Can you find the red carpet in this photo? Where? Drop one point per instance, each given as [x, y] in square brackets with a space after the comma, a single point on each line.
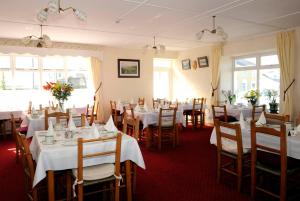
[187, 173]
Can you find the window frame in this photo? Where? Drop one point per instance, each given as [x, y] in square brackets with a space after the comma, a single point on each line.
[258, 66]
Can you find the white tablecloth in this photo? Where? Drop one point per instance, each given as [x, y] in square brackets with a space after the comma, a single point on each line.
[62, 157]
[4, 115]
[293, 142]
[189, 106]
[151, 117]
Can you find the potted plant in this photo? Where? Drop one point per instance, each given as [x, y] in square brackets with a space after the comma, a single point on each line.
[252, 96]
[272, 95]
[229, 96]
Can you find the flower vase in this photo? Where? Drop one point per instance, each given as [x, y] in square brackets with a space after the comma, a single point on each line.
[253, 101]
[61, 106]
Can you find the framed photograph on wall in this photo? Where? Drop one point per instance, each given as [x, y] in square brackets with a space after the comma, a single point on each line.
[203, 62]
[186, 64]
[128, 68]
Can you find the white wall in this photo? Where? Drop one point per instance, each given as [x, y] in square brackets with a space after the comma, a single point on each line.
[115, 88]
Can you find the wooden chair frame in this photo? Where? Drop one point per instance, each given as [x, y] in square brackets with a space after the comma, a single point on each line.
[255, 112]
[237, 158]
[115, 113]
[141, 101]
[58, 116]
[82, 156]
[221, 109]
[198, 112]
[282, 151]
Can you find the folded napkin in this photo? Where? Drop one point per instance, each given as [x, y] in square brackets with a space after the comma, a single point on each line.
[137, 108]
[50, 128]
[71, 124]
[33, 111]
[262, 119]
[87, 124]
[95, 132]
[242, 121]
[110, 125]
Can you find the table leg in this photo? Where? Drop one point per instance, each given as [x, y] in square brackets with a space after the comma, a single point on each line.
[51, 193]
[128, 180]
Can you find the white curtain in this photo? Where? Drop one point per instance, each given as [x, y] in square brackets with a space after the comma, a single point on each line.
[96, 73]
[286, 51]
[216, 54]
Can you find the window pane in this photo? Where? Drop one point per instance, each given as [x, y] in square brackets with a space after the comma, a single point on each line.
[161, 85]
[245, 62]
[53, 63]
[6, 80]
[53, 76]
[4, 62]
[244, 81]
[269, 79]
[77, 63]
[162, 63]
[269, 60]
[27, 80]
[24, 62]
[78, 79]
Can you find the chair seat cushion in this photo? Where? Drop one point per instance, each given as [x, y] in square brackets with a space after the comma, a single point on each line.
[231, 146]
[229, 118]
[23, 130]
[187, 112]
[97, 171]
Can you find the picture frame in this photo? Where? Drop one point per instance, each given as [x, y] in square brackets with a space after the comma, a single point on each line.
[186, 64]
[128, 68]
[203, 62]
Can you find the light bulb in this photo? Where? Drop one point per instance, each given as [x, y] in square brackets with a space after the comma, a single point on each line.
[42, 15]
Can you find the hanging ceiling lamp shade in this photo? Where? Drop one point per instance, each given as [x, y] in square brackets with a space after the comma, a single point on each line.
[54, 7]
[156, 48]
[42, 41]
[217, 34]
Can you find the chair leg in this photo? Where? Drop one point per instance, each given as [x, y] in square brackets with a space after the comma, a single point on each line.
[69, 186]
[253, 181]
[218, 167]
[239, 174]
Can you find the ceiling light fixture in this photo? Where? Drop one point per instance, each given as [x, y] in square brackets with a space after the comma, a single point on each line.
[54, 6]
[42, 41]
[156, 47]
[217, 34]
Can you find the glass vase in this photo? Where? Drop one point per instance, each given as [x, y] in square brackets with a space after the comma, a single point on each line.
[61, 106]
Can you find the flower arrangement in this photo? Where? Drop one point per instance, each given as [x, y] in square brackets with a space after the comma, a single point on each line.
[61, 91]
[252, 96]
[229, 96]
[272, 95]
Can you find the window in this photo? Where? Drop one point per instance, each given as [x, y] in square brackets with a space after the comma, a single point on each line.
[256, 72]
[22, 78]
[161, 78]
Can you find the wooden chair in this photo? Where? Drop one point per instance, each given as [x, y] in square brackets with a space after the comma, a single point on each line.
[109, 172]
[116, 114]
[129, 111]
[131, 127]
[29, 170]
[166, 130]
[276, 118]
[230, 145]
[155, 103]
[29, 110]
[257, 110]
[15, 132]
[141, 101]
[220, 112]
[58, 117]
[270, 160]
[94, 113]
[197, 114]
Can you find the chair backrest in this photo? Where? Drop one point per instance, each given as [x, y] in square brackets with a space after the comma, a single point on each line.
[131, 125]
[83, 155]
[276, 118]
[234, 136]
[94, 112]
[141, 101]
[219, 112]
[281, 151]
[174, 105]
[155, 102]
[87, 110]
[29, 110]
[198, 104]
[113, 111]
[167, 118]
[58, 117]
[128, 110]
[257, 110]
[13, 126]
[83, 120]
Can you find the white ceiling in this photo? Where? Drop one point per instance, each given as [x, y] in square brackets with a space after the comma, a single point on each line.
[173, 22]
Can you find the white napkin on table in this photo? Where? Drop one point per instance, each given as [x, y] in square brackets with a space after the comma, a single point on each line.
[50, 128]
[242, 121]
[33, 111]
[71, 124]
[110, 125]
[262, 119]
[137, 108]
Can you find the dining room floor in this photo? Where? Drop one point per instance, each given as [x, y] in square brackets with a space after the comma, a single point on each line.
[186, 173]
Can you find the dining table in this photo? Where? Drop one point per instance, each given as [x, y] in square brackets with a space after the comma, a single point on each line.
[293, 142]
[36, 122]
[62, 154]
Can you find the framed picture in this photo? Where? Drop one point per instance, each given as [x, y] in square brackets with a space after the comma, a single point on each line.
[186, 64]
[128, 68]
[203, 61]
